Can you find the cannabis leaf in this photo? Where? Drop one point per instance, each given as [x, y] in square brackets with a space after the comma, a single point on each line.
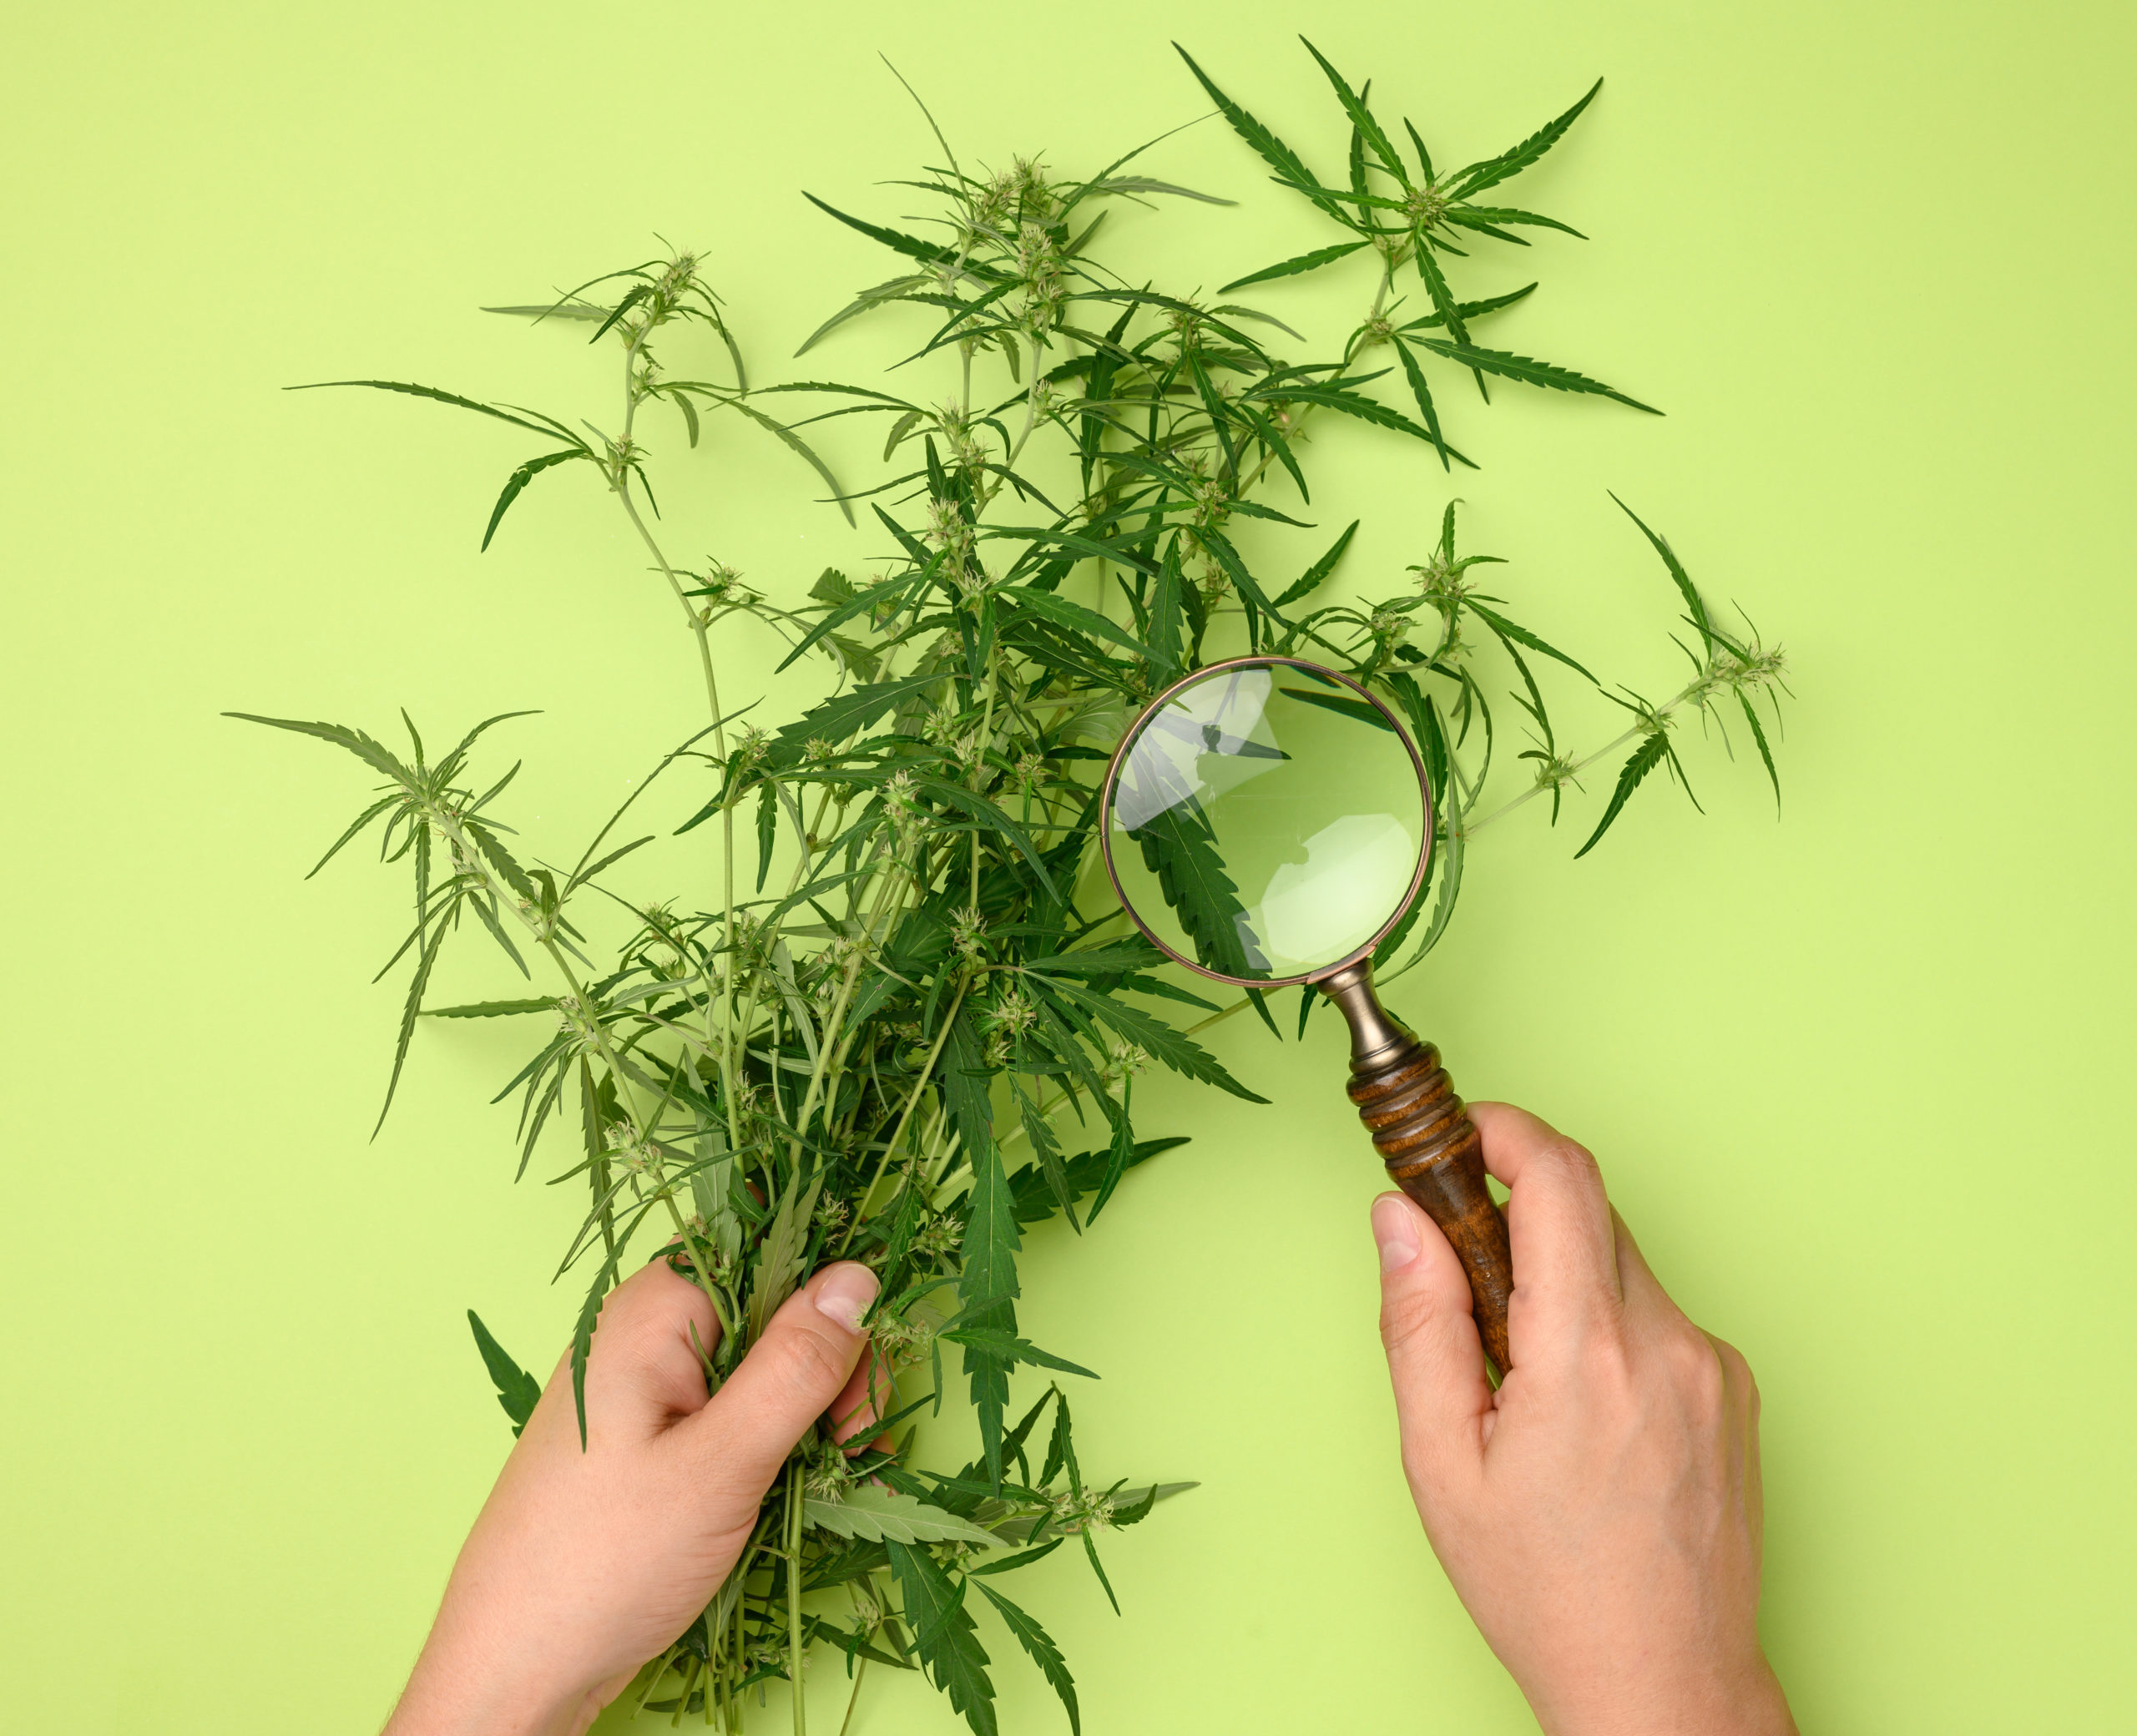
[518, 1391]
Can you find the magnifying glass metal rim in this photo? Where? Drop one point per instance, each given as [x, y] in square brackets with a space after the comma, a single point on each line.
[1135, 731]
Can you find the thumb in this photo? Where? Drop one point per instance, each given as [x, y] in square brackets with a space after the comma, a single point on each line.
[1435, 1358]
[788, 1381]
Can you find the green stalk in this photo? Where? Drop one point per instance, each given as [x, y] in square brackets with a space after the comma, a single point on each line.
[724, 1037]
[619, 483]
[927, 1073]
[1582, 764]
[795, 1645]
[891, 889]
[641, 1135]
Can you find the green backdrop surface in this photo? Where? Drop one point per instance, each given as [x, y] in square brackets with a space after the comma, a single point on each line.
[1852, 1076]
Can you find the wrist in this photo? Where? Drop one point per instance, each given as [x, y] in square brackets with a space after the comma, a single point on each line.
[1711, 1699]
[461, 1692]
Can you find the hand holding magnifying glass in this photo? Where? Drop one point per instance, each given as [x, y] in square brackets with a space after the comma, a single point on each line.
[1267, 822]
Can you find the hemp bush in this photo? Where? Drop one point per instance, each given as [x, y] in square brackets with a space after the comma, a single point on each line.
[884, 1003]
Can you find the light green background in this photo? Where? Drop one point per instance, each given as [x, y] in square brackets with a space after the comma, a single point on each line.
[1852, 1077]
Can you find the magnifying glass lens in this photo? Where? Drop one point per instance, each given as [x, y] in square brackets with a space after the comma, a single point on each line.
[1266, 822]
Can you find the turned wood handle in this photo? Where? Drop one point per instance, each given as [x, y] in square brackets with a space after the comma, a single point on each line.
[1430, 1147]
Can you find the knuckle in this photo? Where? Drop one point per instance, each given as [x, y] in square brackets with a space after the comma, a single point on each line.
[1732, 1361]
[1606, 1361]
[1573, 1163]
[1738, 1371]
[804, 1364]
[1562, 1167]
[1406, 1316]
[1697, 1368]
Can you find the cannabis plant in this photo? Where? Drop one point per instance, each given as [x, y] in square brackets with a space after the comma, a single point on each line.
[893, 1021]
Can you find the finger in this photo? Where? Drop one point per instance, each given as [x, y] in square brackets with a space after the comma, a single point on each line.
[1740, 1414]
[1754, 1478]
[1645, 1299]
[789, 1379]
[1557, 1221]
[1435, 1359]
[642, 1371]
[865, 1399]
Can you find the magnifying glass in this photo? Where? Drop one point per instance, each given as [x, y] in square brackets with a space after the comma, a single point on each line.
[1267, 822]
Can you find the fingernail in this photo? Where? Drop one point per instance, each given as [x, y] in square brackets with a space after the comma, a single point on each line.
[844, 1293]
[1396, 1232]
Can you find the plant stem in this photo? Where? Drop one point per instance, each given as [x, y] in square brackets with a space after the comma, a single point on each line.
[795, 1644]
[853, 1698]
[927, 1073]
[725, 1037]
[1611, 746]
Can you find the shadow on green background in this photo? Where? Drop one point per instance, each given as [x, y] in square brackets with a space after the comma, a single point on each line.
[1849, 1075]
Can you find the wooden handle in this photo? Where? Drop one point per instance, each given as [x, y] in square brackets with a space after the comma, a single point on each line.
[1430, 1147]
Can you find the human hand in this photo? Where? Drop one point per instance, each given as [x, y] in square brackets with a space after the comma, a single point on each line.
[1600, 1515]
[584, 1565]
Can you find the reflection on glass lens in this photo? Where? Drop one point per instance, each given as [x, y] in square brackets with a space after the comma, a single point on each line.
[1266, 822]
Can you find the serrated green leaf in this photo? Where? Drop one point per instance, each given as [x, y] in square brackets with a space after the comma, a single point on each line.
[980, 809]
[944, 1634]
[1344, 704]
[516, 483]
[1491, 216]
[1087, 1172]
[1272, 150]
[1443, 298]
[778, 1265]
[1122, 1157]
[356, 825]
[1312, 578]
[631, 300]
[1295, 267]
[1007, 1348]
[883, 1515]
[1050, 606]
[899, 242]
[518, 1391]
[767, 825]
[1143, 183]
[425, 959]
[1765, 753]
[1521, 635]
[1678, 575]
[1368, 128]
[1504, 166]
[838, 718]
[854, 605]
[1468, 310]
[589, 1311]
[432, 392]
[1422, 391]
[1161, 1041]
[371, 752]
[987, 1287]
[1046, 1151]
[1449, 882]
[1179, 847]
[1417, 144]
[566, 309]
[1165, 612]
[1649, 754]
[1042, 1651]
[788, 437]
[1528, 371]
[1351, 403]
[1130, 1507]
